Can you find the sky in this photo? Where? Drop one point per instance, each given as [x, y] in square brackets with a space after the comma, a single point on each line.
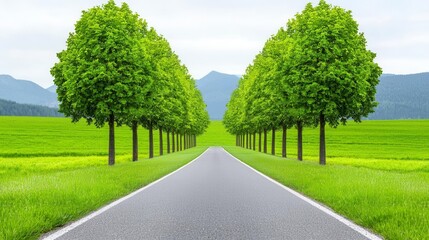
[221, 35]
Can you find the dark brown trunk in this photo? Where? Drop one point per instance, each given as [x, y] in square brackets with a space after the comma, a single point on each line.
[322, 149]
[173, 145]
[161, 147]
[177, 142]
[135, 142]
[265, 140]
[284, 137]
[111, 140]
[250, 141]
[168, 142]
[150, 142]
[254, 141]
[195, 140]
[273, 141]
[260, 141]
[247, 140]
[299, 141]
[181, 146]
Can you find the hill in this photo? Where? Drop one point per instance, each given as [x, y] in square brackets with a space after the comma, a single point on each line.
[216, 89]
[9, 108]
[23, 91]
[402, 97]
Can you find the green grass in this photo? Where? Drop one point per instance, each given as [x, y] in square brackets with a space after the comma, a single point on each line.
[53, 171]
[363, 142]
[38, 136]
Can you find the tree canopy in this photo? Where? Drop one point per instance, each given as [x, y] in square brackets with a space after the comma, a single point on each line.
[316, 70]
[117, 70]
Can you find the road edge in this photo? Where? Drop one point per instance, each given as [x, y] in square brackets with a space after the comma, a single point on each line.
[315, 204]
[63, 230]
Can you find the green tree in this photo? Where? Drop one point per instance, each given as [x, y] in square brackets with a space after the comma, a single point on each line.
[333, 76]
[101, 74]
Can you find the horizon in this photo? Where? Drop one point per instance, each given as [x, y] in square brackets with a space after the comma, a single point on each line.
[238, 76]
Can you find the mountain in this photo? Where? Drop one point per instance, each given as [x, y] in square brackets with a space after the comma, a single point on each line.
[23, 91]
[216, 89]
[402, 97]
[9, 108]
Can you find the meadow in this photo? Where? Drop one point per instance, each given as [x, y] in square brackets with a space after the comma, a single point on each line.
[53, 171]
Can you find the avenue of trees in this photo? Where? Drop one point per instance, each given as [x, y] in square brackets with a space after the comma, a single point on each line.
[117, 70]
[314, 72]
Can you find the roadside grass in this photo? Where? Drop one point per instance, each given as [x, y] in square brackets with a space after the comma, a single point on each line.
[45, 194]
[53, 137]
[356, 143]
[393, 204]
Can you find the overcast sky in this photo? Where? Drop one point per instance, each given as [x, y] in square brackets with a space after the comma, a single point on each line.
[222, 35]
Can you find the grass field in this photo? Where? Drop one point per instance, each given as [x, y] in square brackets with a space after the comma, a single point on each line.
[53, 171]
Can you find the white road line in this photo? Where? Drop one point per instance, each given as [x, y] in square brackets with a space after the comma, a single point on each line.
[81, 221]
[326, 210]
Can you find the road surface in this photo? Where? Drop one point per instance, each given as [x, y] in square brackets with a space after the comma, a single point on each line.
[214, 197]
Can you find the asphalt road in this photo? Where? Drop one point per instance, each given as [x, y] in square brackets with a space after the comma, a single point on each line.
[214, 197]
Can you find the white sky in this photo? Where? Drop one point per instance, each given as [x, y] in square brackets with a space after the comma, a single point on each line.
[221, 35]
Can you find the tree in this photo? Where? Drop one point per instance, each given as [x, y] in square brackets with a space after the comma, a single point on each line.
[101, 76]
[333, 75]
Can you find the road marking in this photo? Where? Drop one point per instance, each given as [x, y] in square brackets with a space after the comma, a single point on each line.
[81, 221]
[324, 209]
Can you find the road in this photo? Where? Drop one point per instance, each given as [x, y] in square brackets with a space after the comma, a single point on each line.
[214, 197]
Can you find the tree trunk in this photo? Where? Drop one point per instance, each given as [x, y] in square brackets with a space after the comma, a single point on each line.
[177, 142]
[195, 140]
[299, 141]
[135, 142]
[111, 140]
[254, 141]
[173, 145]
[150, 142]
[168, 142]
[265, 140]
[284, 137]
[260, 141]
[322, 149]
[247, 140]
[273, 141]
[181, 146]
[161, 147]
[250, 140]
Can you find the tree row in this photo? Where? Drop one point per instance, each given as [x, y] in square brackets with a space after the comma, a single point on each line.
[117, 70]
[315, 71]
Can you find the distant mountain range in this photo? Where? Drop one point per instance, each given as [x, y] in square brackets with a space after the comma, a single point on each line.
[402, 97]
[399, 96]
[24, 91]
